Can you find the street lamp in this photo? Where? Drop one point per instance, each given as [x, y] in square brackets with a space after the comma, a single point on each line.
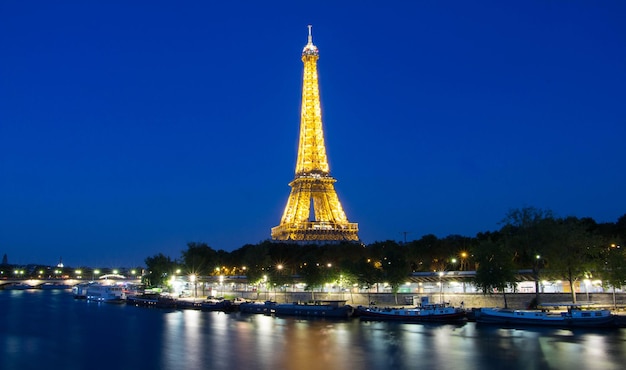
[222, 284]
[341, 281]
[463, 261]
[536, 271]
[192, 279]
[440, 287]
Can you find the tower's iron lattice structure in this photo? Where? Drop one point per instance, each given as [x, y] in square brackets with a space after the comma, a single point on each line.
[313, 186]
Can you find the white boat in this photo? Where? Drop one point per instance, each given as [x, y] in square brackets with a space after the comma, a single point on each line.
[573, 317]
[105, 293]
[80, 291]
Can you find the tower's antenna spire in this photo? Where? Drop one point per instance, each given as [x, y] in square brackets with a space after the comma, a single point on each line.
[309, 48]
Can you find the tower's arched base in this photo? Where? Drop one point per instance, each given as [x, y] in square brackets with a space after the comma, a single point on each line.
[316, 231]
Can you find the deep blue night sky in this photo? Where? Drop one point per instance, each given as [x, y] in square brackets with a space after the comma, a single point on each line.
[131, 128]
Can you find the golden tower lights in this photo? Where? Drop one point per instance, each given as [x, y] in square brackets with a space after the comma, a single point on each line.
[313, 184]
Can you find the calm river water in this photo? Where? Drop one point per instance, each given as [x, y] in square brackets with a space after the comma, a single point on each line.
[51, 330]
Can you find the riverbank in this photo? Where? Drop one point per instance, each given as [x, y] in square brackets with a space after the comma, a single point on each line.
[467, 300]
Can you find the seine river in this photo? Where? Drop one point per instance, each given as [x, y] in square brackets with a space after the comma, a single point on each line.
[51, 330]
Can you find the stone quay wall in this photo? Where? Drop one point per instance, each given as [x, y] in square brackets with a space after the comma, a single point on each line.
[469, 300]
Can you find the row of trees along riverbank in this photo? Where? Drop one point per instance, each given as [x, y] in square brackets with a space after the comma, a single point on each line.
[555, 248]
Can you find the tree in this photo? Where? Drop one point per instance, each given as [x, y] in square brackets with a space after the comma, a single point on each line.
[367, 273]
[524, 233]
[620, 229]
[615, 273]
[573, 252]
[256, 259]
[159, 267]
[199, 259]
[311, 275]
[395, 267]
[423, 254]
[495, 268]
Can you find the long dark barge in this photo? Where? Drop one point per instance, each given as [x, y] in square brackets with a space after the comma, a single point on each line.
[436, 312]
[318, 308]
[151, 300]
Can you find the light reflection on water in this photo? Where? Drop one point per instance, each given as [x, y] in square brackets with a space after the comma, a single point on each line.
[47, 327]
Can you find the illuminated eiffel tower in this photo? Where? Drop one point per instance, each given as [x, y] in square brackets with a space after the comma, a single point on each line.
[313, 185]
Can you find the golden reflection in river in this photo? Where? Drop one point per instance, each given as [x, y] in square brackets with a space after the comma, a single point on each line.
[184, 339]
[318, 345]
[217, 324]
[277, 343]
[192, 337]
[202, 340]
[173, 347]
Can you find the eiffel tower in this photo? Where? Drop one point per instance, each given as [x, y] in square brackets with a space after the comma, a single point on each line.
[313, 186]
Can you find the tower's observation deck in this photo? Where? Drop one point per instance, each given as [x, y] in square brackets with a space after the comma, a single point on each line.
[313, 185]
